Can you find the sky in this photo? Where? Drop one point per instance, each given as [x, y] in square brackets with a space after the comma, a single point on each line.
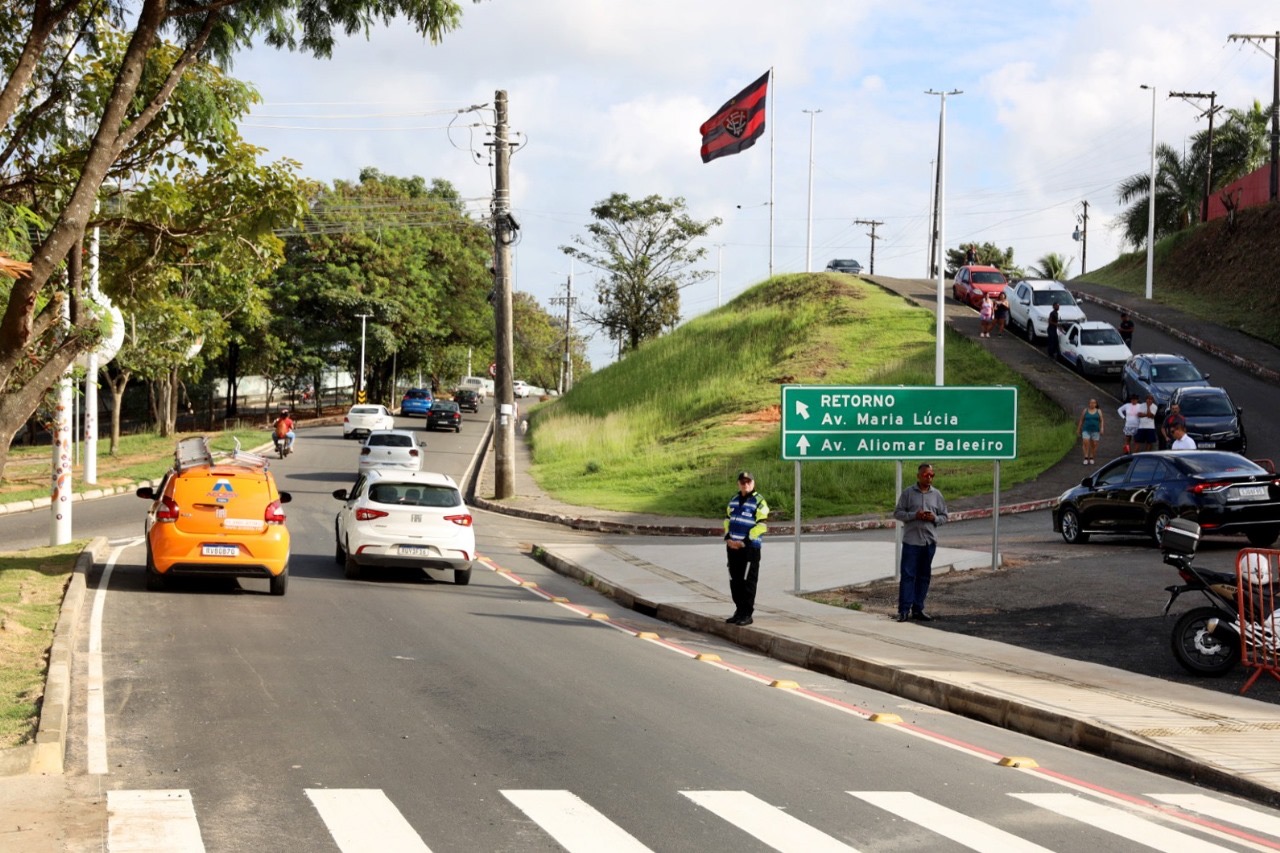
[607, 96]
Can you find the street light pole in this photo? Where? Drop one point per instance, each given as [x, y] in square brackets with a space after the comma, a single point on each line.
[940, 243]
[360, 387]
[808, 244]
[1151, 200]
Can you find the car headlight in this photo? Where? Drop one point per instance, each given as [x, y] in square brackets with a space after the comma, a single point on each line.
[1092, 359]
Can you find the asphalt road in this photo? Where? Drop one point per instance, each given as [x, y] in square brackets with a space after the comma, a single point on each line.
[401, 711]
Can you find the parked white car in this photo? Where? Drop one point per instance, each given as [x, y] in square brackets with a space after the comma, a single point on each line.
[1031, 300]
[364, 419]
[520, 388]
[413, 519]
[1093, 348]
[391, 448]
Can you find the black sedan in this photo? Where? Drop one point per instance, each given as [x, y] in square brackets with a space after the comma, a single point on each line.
[444, 414]
[1140, 494]
[1213, 421]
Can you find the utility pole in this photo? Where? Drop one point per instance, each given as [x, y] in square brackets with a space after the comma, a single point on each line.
[1082, 234]
[504, 234]
[873, 223]
[1275, 104]
[1208, 171]
[566, 370]
[940, 234]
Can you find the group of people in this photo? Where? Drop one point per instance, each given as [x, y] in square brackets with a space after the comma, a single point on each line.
[1140, 432]
[993, 314]
[920, 508]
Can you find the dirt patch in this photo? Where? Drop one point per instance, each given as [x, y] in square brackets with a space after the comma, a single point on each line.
[770, 415]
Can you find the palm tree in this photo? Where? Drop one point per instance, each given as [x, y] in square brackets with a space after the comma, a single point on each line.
[1179, 189]
[1241, 146]
[1052, 265]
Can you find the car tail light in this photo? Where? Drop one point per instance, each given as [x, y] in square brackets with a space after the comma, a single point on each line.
[413, 452]
[1216, 486]
[168, 510]
[274, 513]
[364, 514]
[460, 520]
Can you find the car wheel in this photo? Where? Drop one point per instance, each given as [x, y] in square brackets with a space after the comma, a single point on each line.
[1263, 537]
[462, 577]
[1070, 524]
[350, 567]
[1030, 331]
[339, 556]
[155, 581]
[1160, 518]
[280, 582]
[457, 429]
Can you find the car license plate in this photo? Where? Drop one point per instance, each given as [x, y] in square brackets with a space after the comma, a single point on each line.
[1251, 493]
[415, 551]
[220, 551]
[1113, 369]
[1206, 445]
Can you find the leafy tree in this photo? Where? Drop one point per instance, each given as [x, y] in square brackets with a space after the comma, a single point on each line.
[1052, 265]
[989, 254]
[55, 172]
[644, 250]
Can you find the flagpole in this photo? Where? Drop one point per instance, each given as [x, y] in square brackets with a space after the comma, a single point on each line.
[773, 130]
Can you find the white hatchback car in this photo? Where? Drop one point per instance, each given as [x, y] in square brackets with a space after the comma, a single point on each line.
[391, 448]
[414, 519]
[364, 419]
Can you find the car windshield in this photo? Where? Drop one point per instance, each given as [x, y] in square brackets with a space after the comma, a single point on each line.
[1175, 372]
[988, 278]
[415, 494]
[390, 439]
[1100, 337]
[1205, 405]
[1219, 463]
[1053, 297]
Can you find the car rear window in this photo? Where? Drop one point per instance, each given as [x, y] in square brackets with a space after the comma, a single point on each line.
[364, 410]
[417, 394]
[390, 440]
[1219, 463]
[446, 406]
[415, 494]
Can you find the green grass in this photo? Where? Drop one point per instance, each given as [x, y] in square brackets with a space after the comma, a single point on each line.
[31, 589]
[665, 430]
[146, 456]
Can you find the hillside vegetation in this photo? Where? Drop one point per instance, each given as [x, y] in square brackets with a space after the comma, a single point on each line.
[666, 429]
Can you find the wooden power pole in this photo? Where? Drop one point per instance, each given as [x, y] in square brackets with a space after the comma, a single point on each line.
[504, 234]
[873, 223]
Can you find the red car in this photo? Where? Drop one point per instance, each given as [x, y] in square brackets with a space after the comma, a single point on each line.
[973, 280]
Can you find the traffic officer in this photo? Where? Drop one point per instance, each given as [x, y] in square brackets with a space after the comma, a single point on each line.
[744, 528]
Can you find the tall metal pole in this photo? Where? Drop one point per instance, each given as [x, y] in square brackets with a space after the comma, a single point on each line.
[808, 242]
[360, 387]
[773, 115]
[504, 228]
[938, 370]
[1151, 199]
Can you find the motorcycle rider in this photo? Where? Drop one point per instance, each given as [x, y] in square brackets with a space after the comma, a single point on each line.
[283, 427]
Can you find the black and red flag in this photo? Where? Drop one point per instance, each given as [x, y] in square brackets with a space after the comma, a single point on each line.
[738, 124]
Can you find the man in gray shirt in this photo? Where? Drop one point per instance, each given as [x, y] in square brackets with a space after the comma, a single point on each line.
[921, 508]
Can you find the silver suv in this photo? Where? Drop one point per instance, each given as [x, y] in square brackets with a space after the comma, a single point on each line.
[845, 265]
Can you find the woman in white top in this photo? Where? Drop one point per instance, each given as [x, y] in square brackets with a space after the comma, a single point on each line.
[1129, 411]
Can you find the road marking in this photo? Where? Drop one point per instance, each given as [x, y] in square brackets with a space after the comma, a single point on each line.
[767, 823]
[161, 821]
[576, 826]
[949, 823]
[1139, 830]
[1230, 812]
[96, 714]
[363, 820]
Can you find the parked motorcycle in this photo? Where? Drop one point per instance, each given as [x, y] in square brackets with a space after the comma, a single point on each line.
[1205, 640]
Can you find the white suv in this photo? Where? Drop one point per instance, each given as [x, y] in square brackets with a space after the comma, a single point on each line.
[1031, 300]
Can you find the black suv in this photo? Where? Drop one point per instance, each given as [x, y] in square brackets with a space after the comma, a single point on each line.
[1213, 421]
[467, 400]
[845, 265]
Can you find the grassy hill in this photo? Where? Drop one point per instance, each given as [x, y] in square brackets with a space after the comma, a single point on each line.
[666, 429]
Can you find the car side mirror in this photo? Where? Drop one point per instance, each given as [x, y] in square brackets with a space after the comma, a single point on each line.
[1087, 482]
[285, 497]
[1206, 377]
[340, 494]
[146, 492]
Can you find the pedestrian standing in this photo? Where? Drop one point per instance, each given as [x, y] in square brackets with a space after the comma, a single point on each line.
[1181, 441]
[1145, 437]
[1090, 428]
[744, 529]
[1126, 329]
[986, 315]
[971, 254]
[1051, 343]
[1171, 420]
[1129, 411]
[921, 508]
[1002, 312]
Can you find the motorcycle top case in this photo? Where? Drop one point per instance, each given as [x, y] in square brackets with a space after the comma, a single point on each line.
[1180, 537]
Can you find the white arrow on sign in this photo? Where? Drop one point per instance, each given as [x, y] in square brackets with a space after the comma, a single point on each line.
[803, 444]
[802, 410]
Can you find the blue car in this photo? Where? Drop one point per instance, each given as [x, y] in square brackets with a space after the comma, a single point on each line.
[416, 401]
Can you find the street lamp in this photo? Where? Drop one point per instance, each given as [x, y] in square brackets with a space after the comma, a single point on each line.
[1151, 200]
[360, 388]
[940, 243]
[808, 243]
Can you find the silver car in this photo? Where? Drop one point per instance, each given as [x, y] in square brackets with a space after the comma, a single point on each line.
[1031, 300]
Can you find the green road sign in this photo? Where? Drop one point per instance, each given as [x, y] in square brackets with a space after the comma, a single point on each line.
[829, 422]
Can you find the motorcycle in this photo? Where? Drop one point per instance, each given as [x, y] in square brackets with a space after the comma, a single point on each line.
[282, 445]
[1205, 640]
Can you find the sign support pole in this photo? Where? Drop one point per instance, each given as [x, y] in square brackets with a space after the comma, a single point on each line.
[797, 523]
[995, 519]
[897, 525]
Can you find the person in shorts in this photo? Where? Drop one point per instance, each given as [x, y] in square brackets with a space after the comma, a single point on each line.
[1129, 411]
[1145, 437]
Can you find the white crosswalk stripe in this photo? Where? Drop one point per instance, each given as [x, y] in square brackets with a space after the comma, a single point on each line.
[949, 823]
[1225, 812]
[767, 823]
[145, 821]
[575, 825]
[1137, 829]
[363, 820]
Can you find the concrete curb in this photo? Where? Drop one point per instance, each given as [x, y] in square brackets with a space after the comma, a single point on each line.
[47, 753]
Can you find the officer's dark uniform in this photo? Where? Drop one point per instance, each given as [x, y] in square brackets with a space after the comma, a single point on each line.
[744, 522]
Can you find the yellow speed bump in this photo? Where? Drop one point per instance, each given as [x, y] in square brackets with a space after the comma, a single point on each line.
[1018, 761]
[600, 616]
[784, 684]
[887, 719]
[708, 657]
[647, 635]
[560, 599]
